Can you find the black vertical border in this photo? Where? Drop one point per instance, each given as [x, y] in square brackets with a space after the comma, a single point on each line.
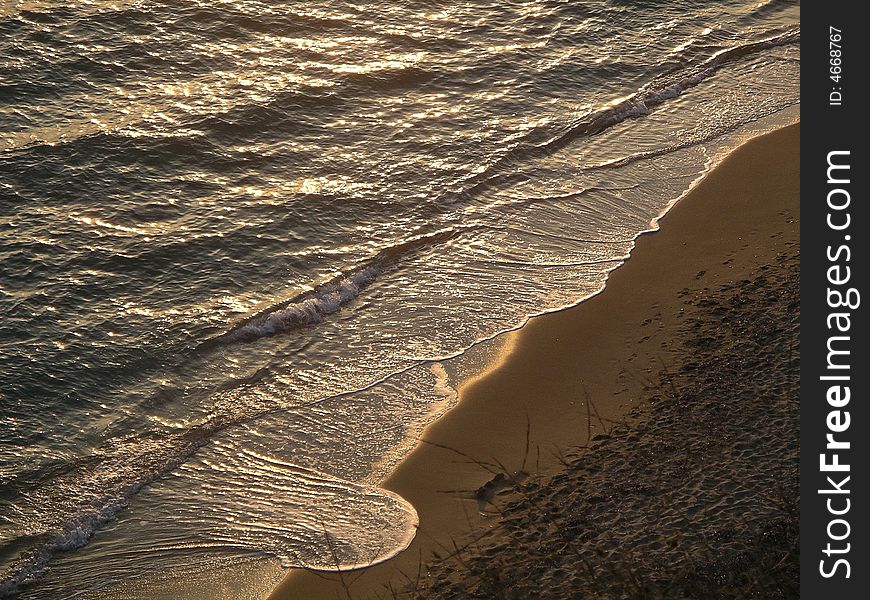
[826, 128]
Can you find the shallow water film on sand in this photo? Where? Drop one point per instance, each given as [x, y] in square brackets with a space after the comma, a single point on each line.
[238, 237]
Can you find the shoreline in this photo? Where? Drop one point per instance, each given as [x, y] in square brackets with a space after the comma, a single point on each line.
[522, 412]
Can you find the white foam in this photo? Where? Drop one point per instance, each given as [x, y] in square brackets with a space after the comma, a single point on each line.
[325, 300]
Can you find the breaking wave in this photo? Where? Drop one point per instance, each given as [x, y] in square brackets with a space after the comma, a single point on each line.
[313, 306]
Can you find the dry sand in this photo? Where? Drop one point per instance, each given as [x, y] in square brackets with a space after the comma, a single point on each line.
[619, 347]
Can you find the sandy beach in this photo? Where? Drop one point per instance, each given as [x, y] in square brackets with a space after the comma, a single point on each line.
[598, 375]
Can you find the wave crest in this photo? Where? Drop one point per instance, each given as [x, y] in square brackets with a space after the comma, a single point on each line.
[324, 300]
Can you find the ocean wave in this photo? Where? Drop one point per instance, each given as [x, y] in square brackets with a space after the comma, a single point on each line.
[707, 137]
[313, 306]
[276, 517]
[85, 499]
[659, 90]
[324, 300]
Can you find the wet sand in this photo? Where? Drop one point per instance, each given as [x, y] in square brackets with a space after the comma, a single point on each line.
[529, 409]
